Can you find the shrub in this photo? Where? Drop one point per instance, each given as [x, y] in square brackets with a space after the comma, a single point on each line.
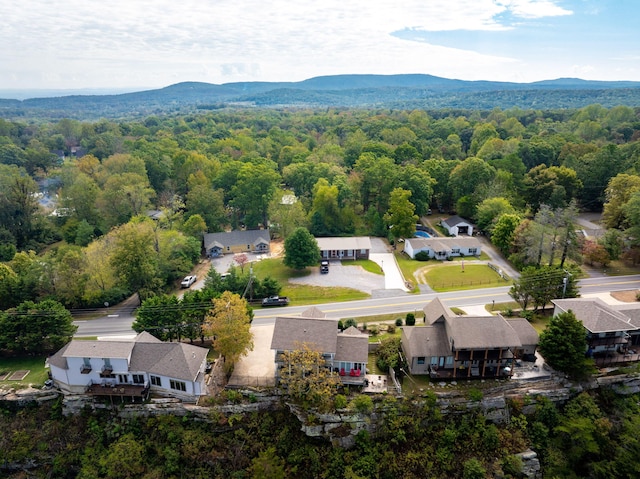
[512, 466]
[391, 329]
[422, 256]
[349, 322]
[374, 329]
[362, 403]
[399, 322]
[475, 395]
[340, 401]
[410, 319]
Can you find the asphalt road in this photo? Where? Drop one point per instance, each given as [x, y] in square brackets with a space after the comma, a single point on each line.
[120, 325]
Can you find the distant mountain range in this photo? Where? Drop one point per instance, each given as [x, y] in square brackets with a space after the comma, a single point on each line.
[346, 91]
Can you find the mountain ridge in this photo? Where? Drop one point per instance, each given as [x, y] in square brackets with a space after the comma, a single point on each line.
[357, 90]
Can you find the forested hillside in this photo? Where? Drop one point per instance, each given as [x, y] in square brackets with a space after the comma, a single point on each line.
[347, 91]
[591, 436]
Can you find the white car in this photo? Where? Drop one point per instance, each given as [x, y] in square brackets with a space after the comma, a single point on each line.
[188, 281]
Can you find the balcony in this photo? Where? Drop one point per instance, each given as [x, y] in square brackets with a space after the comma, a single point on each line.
[107, 371]
[85, 369]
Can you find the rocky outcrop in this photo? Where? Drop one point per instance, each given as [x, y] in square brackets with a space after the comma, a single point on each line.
[530, 464]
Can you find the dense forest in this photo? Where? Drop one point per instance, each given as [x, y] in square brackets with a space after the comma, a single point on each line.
[75, 196]
[591, 436]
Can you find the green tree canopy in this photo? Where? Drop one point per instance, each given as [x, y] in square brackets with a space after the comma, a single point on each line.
[36, 328]
[301, 249]
[400, 217]
[563, 344]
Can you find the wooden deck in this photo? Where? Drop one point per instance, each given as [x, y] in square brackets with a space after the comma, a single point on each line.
[119, 390]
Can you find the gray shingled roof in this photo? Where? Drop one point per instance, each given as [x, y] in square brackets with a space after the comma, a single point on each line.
[527, 333]
[175, 360]
[434, 310]
[99, 349]
[595, 315]
[481, 332]
[444, 244]
[291, 333]
[313, 312]
[236, 237]
[146, 353]
[352, 345]
[455, 220]
[425, 341]
[346, 242]
[631, 311]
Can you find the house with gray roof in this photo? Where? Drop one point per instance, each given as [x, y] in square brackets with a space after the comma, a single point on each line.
[452, 346]
[443, 248]
[456, 226]
[345, 352]
[130, 368]
[237, 241]
[344, 248]
[613, 332]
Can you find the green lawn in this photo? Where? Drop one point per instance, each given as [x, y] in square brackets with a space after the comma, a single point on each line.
[449, 277]
[367, 264]
[34, 364]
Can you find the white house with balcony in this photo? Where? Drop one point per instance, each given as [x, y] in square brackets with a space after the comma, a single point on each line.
[130, 368]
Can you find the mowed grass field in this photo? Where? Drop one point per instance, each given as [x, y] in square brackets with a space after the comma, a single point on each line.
[452, 277]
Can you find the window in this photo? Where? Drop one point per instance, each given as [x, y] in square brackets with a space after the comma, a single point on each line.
[86, 362]
[177, 385]
[421, 360]
[455, 251]
[228, 248]
[449, 360]
[473, 250]
[107, 363]
[138, 378]
[156, 381]
[248, 246]
[123, 378]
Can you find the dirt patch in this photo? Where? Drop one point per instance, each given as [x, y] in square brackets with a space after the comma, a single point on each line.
[202, 268]
[276, 248]
[626, 296]
[19, 375]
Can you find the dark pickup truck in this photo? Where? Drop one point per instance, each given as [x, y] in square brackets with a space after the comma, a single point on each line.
[275, 301]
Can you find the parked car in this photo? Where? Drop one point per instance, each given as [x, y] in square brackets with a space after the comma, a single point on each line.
[275, 301]
[188, 281]
[324, 267]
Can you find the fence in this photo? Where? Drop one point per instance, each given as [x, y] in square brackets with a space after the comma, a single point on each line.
[499, 271]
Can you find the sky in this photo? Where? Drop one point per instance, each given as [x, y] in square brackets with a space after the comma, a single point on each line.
[142, 44]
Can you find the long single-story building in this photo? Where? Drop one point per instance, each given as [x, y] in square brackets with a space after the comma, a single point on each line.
[443, 248]
[237, 241]
[344, 248]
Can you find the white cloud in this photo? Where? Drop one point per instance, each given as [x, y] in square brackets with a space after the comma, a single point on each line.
[534, 8]
[122, 43]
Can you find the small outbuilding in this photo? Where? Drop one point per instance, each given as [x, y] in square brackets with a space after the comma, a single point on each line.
[457, 226]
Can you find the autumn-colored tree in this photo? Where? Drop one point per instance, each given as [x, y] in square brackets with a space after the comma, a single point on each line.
[229, 323]
[593, 252]
[306, 377]
[241, 259]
